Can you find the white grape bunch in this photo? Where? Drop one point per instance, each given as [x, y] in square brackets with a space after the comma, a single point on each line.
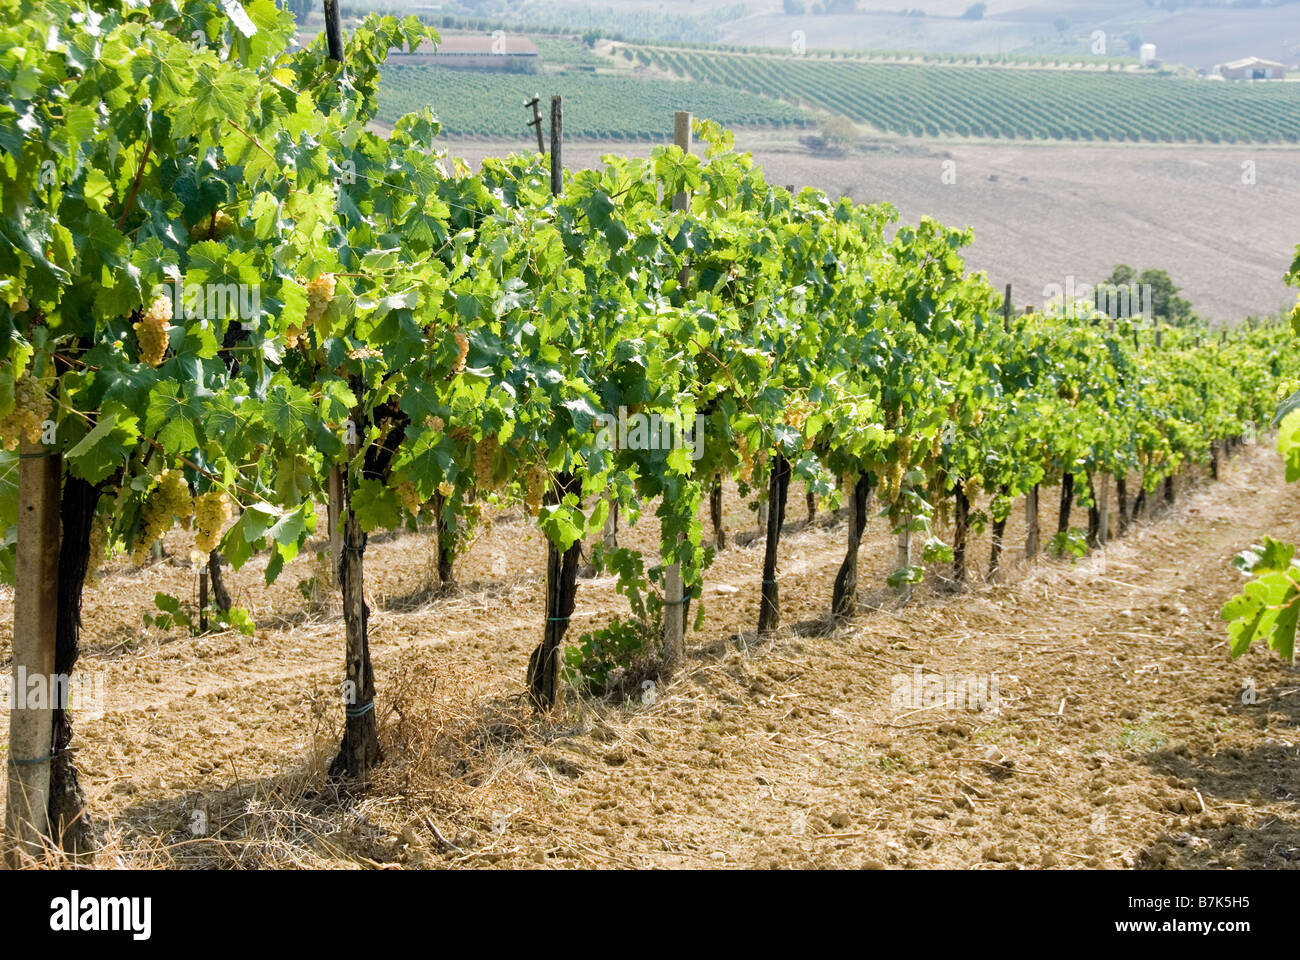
[169, 499]
[484, 452]
[534, 487]
[31, 410]
[410, 498]
[151, 330]
[211, 511]
[319, 294]
[462, 345]
[95, 556]
[218, 225]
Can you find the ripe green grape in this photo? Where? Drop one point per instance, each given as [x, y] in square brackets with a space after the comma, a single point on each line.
[211, 511]
[534, 487]
[462, 344]
[95, 557]
[31, 409]
[168, 500]
[320, 292]
[410, 498]
[151, 331]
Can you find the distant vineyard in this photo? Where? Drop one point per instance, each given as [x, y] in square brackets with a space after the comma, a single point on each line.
[991, 102]
[483, 103]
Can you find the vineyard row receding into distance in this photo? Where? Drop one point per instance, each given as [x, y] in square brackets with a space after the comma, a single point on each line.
[923, 100]
[909, 99]
[416, 343]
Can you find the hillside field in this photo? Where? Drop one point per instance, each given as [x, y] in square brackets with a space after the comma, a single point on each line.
[1045, 212]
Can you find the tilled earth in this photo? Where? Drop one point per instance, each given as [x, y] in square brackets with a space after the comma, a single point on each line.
[1107, 726]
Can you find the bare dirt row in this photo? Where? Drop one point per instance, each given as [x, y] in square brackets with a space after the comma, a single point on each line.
[1121, 736]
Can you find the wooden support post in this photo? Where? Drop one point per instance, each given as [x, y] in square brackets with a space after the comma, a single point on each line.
[961, 525]
[1031, 523]
[557, 135]
[1103, 509]
[333, 30]
[334, 44]
[1006, 310]
[31, 714]
[543, 678]
[715, 515]
[359, 749]
[769, 610]
[903, 553]
[536, 122]
[1067, 501]
[203, 598]
[220, 595]
[334, 512]
[1121, 504]
[674, 635]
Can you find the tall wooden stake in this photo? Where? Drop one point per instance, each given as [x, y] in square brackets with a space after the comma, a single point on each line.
[334, 44]
[903, 553]
[769, 610]
[674, 605]
[1031, 523]
[359, 750]
[31, 718]
[203, 598]
[1067, 501]
[557, 136]
[545, 688]
[333, 30]
[961, 525]
[334, 524]
[536, 122]
[715, 514]
[1103, 508]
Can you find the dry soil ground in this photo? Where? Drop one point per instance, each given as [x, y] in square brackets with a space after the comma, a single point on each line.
[1121, 735]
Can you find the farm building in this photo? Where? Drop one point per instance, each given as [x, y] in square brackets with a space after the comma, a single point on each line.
[1254, 68]
[494, 51]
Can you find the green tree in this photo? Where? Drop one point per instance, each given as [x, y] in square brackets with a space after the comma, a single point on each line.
[1166, 304]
